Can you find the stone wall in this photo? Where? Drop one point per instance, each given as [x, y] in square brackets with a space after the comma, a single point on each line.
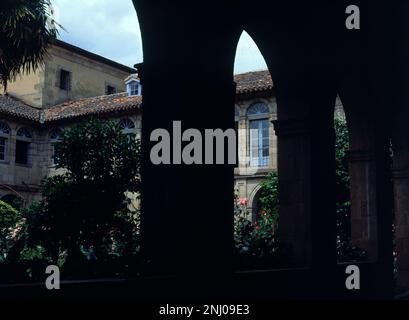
[89, 78]
[25, 179]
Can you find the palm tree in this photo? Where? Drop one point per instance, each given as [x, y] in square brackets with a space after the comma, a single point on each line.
[26, 31]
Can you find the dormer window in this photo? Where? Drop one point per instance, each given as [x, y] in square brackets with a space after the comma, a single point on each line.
[134, 88]
[133, 85]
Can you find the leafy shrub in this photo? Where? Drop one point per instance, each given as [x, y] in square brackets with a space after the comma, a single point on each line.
[84, 215]
[10, 224]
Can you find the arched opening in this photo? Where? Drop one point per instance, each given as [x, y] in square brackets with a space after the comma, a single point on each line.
[356, 196]
[255, 109]
[13, 200]
[254, 203]
[345, 196]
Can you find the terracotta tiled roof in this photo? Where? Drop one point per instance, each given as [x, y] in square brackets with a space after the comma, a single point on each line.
[253, 81]
[246, 83]
[92, 106]
[14, 107]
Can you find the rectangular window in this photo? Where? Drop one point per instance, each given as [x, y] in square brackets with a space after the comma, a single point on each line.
[65, 80]
[3, 149]
[110, 90]
[259, 143]
[53, 156]
[22, 148]
[134, 89]
[236, 127]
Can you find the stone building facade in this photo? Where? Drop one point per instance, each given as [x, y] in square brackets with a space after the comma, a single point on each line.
[255, 113]
[31, 115]
[27, 136]
[69, 73]
[53, 97]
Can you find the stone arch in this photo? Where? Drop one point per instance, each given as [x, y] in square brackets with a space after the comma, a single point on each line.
[301, 55]
[253, 201]
[13, 200]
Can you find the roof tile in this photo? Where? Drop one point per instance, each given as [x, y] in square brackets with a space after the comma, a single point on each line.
[246, 83]
[14, 107]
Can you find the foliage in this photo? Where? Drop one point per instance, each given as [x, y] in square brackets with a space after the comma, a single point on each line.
[258, 238]
[346, 251]
[84, 206]
[10, 220]
[26, 31]
[243, 228]
[342, 182]
[267, 217]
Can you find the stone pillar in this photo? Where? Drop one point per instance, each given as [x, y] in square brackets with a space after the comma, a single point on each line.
[293, 145]
[400, 176]
[364, 222]
[401, 199]
[306, 173]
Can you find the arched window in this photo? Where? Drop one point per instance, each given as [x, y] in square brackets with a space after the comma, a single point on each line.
[23, 142]
[257, 109]
[4, 138]
[128, 127]
[24, 133]
[259, 126]
[55, 136]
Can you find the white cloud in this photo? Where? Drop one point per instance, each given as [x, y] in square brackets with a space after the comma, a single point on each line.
[110, 28]
[107, 27]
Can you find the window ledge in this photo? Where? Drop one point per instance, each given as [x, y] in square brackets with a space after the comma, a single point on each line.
[24, 165]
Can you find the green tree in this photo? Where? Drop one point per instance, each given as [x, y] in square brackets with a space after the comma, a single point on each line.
[342, 190]
[10, 221]
[84, 206]
[26, 31]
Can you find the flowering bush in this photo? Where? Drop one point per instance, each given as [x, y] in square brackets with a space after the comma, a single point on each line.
[258, 238]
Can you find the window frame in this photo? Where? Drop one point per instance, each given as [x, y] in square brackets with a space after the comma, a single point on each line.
[67, 79]
[261, 117]
[3, 144]
[23, 136]
[5, 133]
[129, 131]
[107, 87]
[132, 92]
[55, 136]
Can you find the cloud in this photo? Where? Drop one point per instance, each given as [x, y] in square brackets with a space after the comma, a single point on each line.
[106, 27]
[110, 28]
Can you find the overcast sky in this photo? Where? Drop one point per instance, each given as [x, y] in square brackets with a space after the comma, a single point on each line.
[110, 28]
